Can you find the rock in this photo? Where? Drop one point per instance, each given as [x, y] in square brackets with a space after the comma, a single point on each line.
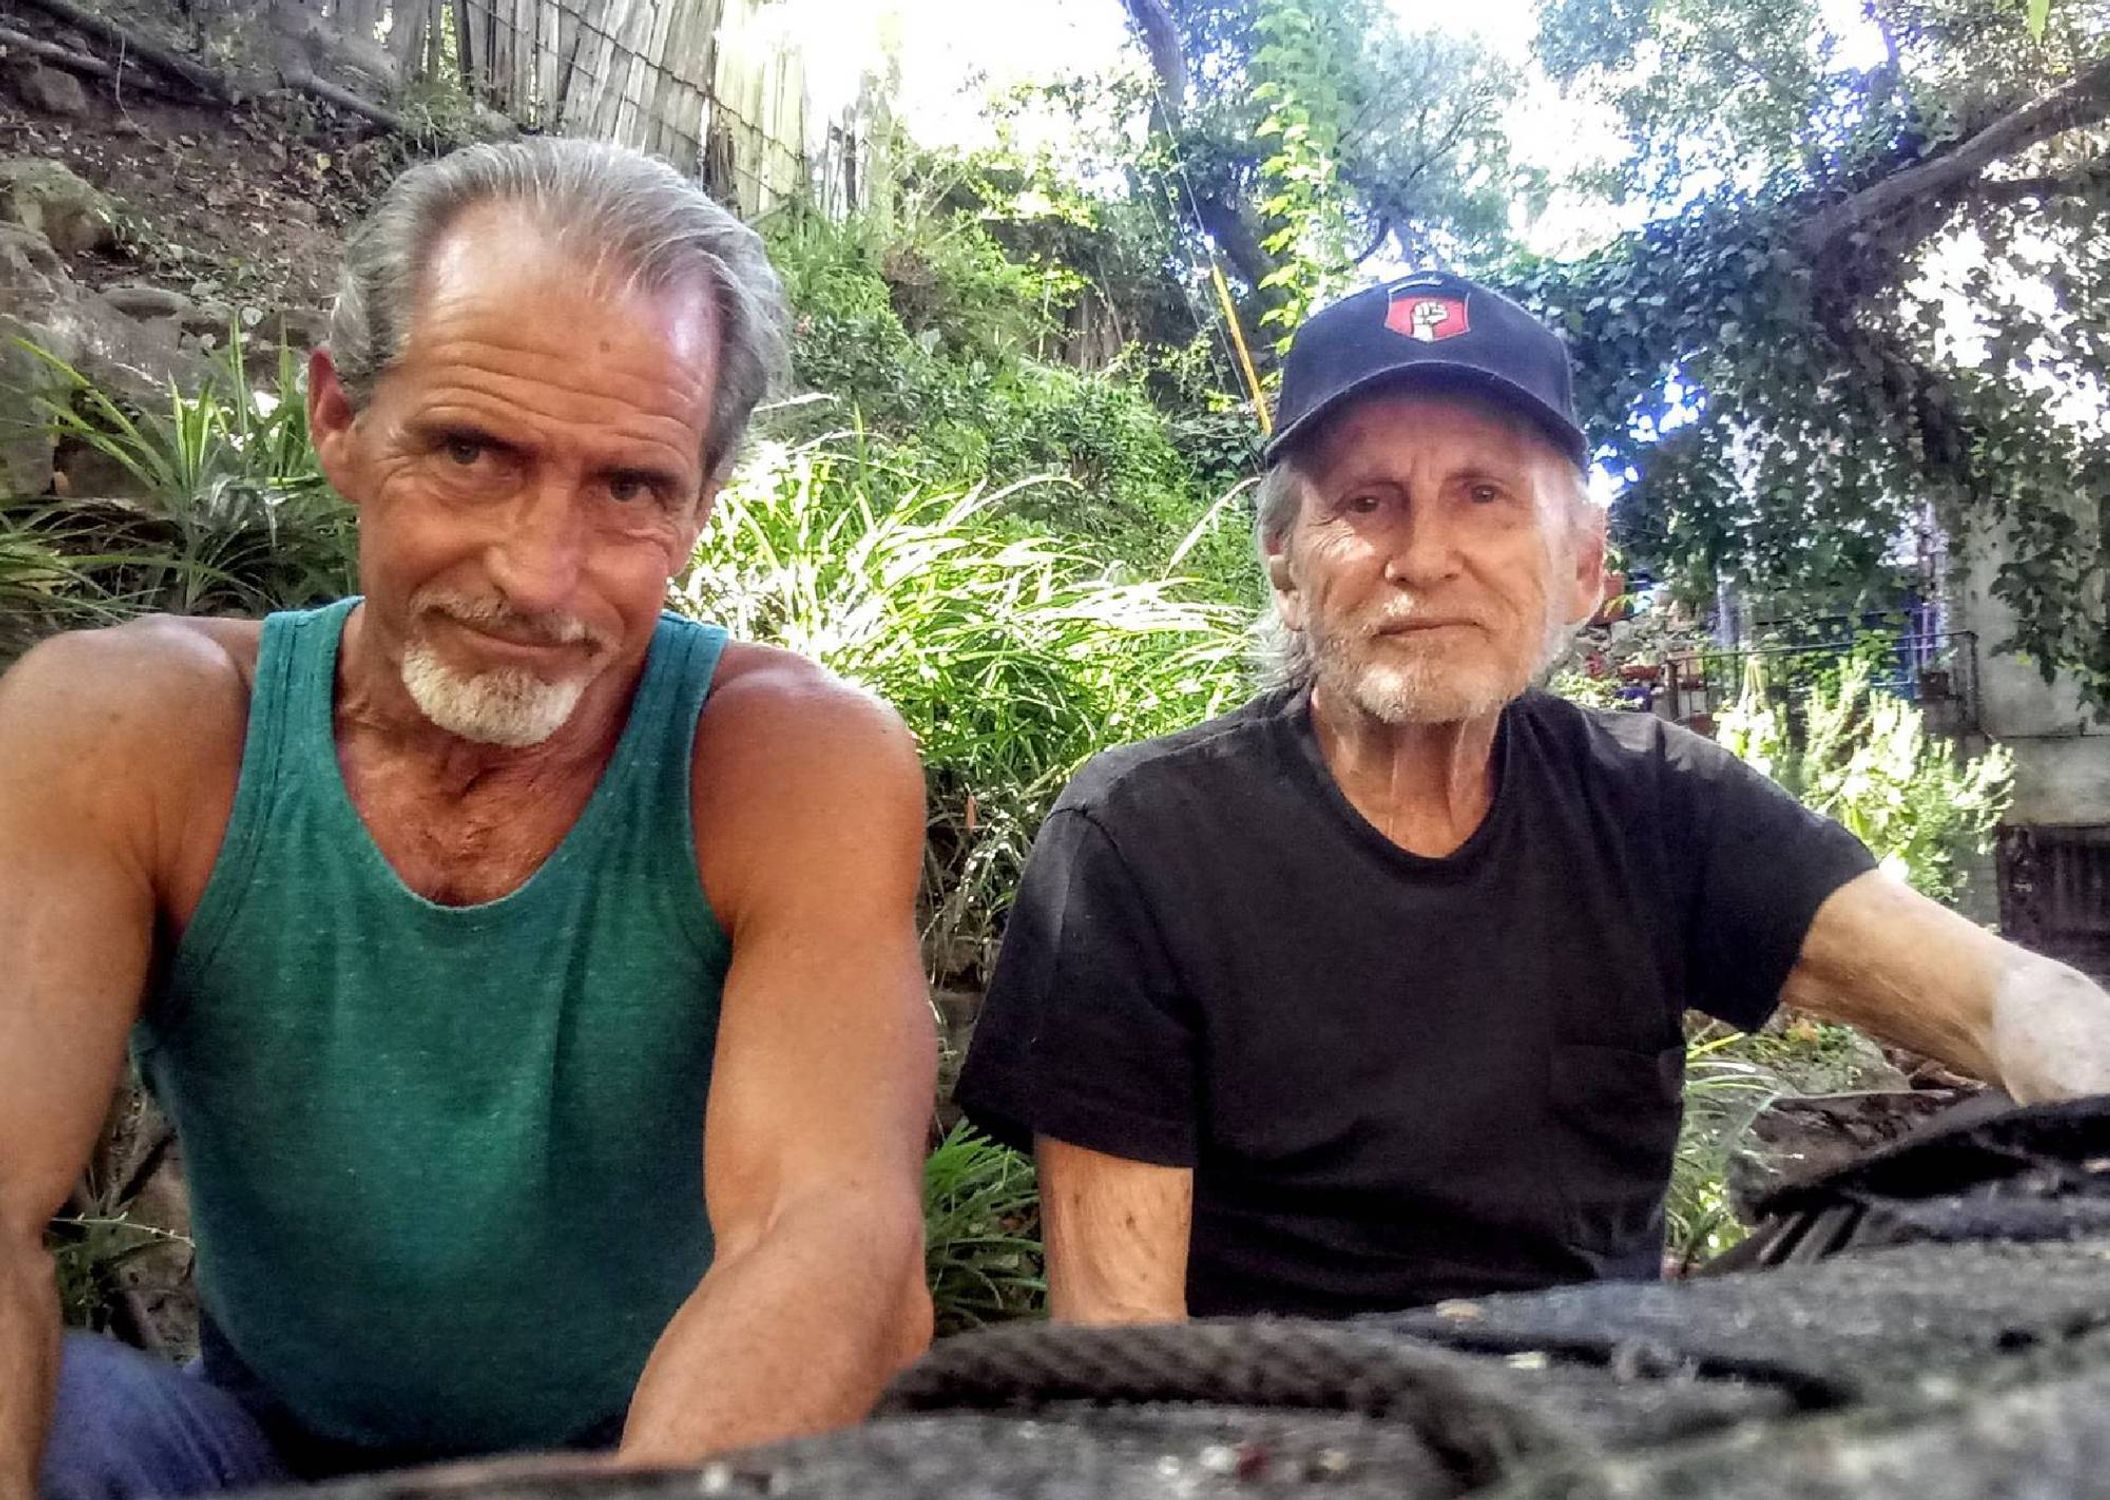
[33, 288]
[295, 327]
[29, 268]
[81, 470]
[129, 358]
[45, 196]
[126, 341]
[148, 303]
[26, 382]
[208, 319]
[488, 124]
[49, 90]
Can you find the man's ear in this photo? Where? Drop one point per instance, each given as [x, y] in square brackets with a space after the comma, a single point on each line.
[331, 423]
[1589, 576]
[1282, 579]
[700, 513]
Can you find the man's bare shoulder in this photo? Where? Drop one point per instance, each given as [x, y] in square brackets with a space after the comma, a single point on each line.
[778, 704]
[160, 683]
[784, 744]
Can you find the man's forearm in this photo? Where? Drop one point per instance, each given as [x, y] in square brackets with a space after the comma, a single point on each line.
[796, 1334]
[29, 1359]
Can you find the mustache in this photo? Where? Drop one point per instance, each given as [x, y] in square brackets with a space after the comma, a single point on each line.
[484, 612]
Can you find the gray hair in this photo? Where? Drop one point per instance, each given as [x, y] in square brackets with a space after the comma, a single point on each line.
[1285, 658]
[614, 207]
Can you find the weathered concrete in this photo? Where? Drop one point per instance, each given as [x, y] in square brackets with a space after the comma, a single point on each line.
[2062, 752]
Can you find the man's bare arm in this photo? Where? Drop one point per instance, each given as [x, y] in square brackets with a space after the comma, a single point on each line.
[822, 1088]
[1117, 1235]
[81, 717]
[1883, 957]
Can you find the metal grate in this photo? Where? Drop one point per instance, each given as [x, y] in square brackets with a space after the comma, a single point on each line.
[2055, 892]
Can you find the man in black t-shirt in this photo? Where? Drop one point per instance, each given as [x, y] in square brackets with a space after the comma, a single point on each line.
[1370, 994]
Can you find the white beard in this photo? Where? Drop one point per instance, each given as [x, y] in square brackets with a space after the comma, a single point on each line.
[1428, 691]
[1428, 688]
[506, 706]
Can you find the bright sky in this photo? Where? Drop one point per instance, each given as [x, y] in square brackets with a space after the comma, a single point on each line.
[953, 55]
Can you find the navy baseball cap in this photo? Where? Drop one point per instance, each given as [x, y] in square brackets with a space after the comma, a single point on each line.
[1431, 329]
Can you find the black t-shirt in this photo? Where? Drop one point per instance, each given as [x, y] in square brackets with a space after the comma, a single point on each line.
[1397, 1079]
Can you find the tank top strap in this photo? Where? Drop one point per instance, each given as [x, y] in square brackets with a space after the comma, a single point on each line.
[677, 681]
[288, 696]
[656, 771]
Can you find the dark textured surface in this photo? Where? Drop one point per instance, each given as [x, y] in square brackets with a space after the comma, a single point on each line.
[1933, 1371]
[2036, 1431]
[1847, 1329]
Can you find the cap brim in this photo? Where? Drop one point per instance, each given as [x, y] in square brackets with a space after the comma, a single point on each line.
[1439, 375]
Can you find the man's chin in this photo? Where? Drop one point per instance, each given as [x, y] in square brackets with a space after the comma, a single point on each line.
[1430, 696]
[507, 708]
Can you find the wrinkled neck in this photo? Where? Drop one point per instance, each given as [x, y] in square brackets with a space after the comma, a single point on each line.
[1426, 787]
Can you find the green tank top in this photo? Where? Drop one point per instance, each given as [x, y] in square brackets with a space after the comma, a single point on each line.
[445, 1163]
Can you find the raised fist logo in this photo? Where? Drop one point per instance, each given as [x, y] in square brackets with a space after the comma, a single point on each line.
[1429, 319]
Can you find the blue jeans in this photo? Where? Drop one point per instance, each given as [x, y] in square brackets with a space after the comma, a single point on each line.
[127, 1426]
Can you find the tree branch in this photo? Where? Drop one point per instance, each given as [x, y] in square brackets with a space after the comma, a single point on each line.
[1161, 39]
[12, 41]
[2022, 189]
[1237, 233]
[2082, 100]
[199, 77]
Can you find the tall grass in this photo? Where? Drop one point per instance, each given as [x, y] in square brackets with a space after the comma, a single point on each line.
[982, 1254]
[226, 510]
[1011, 656]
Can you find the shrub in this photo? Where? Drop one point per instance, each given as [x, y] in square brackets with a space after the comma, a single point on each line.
[981, 1233]
[1012, 657]
[1865, 758]
[230, 513]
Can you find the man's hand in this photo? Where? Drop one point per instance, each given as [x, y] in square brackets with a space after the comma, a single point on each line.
[1117, 1234]
[1883, 957]
[809, 816]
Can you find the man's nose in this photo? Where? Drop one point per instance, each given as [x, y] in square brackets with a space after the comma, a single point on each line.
[537, 560]
[1422, 549]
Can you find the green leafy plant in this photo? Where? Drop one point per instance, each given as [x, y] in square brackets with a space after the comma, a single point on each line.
[941, 346]
[1011, 656]
[230, 513]
[1723, 1092]
[981, 1232]
[43, 585]
[1865, 758]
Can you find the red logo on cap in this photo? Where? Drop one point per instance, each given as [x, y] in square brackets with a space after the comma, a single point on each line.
[1429, 319]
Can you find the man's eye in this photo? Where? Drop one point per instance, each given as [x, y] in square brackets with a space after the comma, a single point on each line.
[628, 489]
[1485, 494]
[464, 450]
[1362, 505]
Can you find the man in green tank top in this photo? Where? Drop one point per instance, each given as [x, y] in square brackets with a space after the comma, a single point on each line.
[532, 978]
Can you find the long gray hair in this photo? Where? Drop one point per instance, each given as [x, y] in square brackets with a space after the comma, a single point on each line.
[615, 208]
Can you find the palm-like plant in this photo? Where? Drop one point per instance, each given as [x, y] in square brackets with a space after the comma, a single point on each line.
[232, 514]
[982, 1254]
[1011, 657]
